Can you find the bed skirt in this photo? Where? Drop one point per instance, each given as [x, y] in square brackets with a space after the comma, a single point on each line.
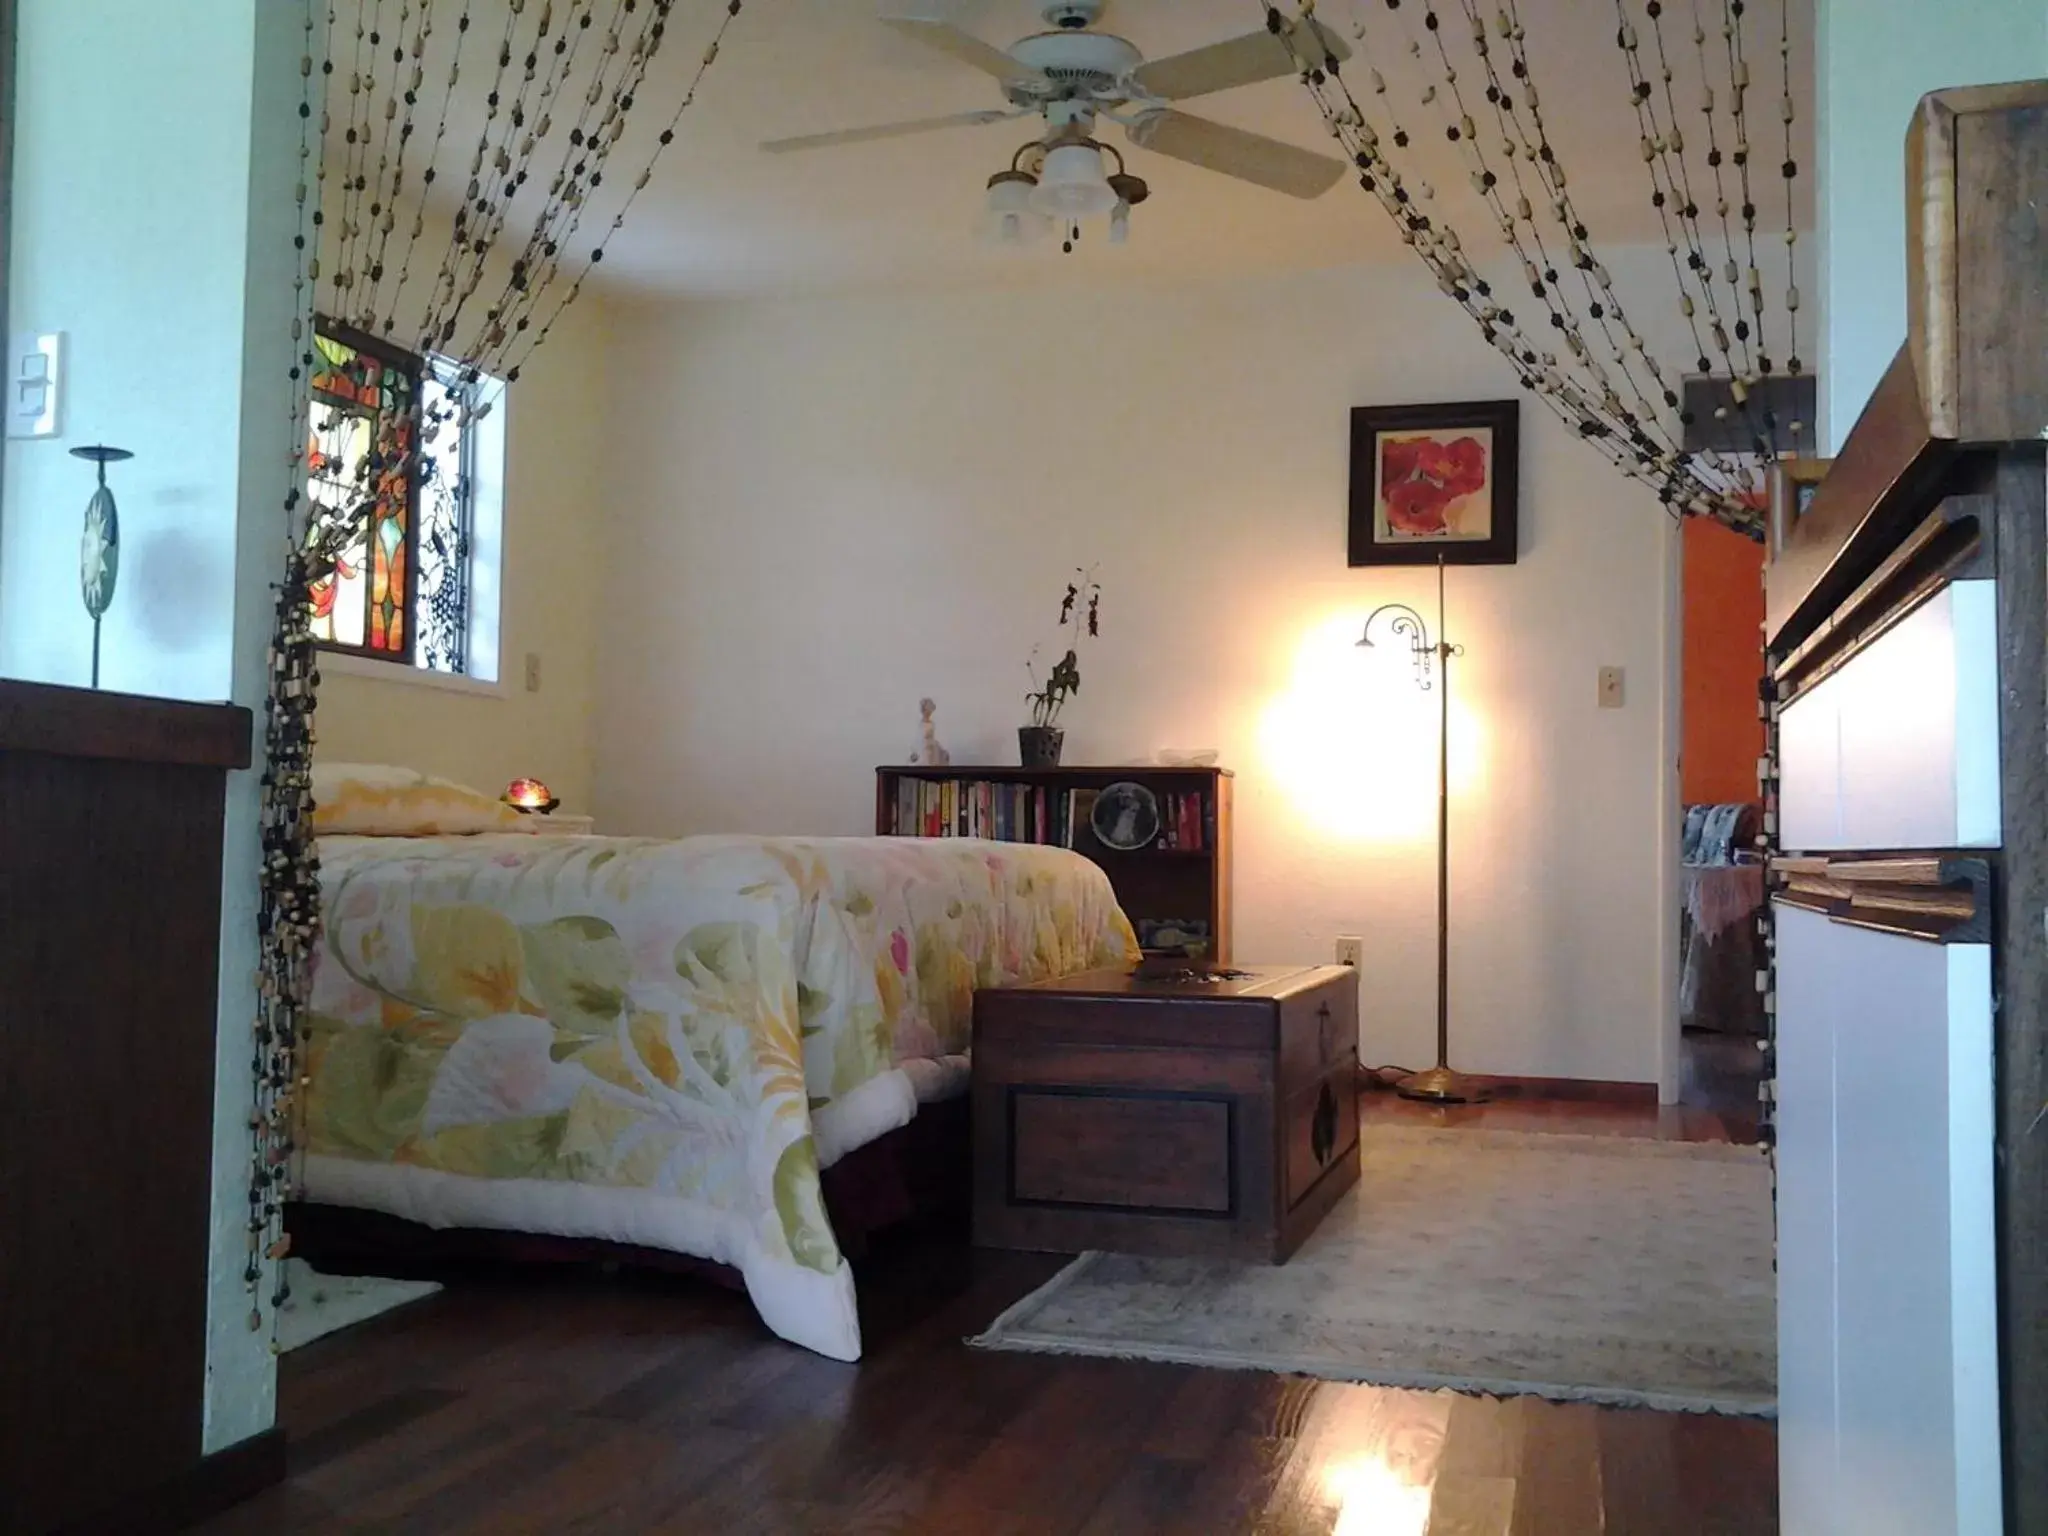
[918, 1173]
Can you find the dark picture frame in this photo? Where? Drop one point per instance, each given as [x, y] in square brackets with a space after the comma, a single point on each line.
[1436, 448]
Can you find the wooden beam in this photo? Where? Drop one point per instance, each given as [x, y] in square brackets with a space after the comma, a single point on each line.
[1876, 489]
[2021, 1041]
[1976, 181]
[81, 722]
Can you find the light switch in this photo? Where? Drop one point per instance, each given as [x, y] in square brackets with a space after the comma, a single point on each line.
[35, 383]
[533, 671]
[1611, 696]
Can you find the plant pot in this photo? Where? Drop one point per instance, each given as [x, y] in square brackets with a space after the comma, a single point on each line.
[1038, 746]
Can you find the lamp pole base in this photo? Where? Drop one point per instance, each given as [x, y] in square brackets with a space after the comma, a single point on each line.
[1440, 1085]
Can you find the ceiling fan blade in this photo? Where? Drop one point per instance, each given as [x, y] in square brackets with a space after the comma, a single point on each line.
[1242, 61]
[888, 130]
[1248, 156]
[965, 47]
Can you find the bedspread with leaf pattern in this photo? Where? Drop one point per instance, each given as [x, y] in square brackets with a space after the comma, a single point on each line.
[650, 1041]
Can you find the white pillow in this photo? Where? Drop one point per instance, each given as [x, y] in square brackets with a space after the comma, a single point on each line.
[376, 800]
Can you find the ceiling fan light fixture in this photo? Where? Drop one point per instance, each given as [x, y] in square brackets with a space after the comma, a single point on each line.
[1008, 217]
[1073, 185]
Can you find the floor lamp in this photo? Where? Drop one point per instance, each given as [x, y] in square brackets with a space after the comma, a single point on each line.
[1439, 1084]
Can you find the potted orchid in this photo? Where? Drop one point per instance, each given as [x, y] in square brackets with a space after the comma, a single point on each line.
[1038, 744]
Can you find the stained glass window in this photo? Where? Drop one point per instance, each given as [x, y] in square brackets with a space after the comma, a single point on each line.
[392, 475]
[362, 477]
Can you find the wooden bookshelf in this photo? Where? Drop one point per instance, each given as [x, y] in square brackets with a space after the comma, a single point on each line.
[1184, 876]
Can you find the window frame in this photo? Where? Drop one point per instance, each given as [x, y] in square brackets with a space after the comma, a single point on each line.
[446, 373]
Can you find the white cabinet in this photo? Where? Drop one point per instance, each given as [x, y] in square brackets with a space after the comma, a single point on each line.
[1887, 1334]
[1899, 749]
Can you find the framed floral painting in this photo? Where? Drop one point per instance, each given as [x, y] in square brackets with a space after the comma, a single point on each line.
[1434, 482]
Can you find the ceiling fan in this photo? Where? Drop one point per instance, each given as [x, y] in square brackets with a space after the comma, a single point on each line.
[1071, 76]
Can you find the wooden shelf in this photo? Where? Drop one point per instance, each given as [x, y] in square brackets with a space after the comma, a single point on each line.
[1152, 884]
[1062, 775]
[81, 722]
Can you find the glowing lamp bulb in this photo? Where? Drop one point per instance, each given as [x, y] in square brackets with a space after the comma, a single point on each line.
[530, 795]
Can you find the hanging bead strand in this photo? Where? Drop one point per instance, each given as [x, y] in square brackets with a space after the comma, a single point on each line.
[666, 138]
[1789, 170]
[406, 80]
[416, 226]
[355, 160]
[578, 183]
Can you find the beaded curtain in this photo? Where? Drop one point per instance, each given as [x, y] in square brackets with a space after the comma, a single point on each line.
[1468, 73]
[456, 191]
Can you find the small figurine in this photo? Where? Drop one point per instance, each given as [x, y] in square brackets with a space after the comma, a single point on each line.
[929, 753]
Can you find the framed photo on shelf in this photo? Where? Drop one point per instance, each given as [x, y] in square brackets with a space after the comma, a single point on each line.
[1435, 482]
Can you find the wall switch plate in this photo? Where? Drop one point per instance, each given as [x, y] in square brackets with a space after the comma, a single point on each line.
[533, 671]
[1611, 692]
[1350, 950]
[34, 383]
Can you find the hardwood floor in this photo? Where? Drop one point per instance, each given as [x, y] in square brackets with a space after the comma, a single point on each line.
[523, 1401]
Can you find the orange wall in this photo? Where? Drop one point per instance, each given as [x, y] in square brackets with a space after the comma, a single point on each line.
[1723, 662]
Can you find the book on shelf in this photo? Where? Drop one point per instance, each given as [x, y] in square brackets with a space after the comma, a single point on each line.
[1017, 812]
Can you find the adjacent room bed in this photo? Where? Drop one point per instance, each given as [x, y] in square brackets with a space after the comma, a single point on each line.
[653, 1043]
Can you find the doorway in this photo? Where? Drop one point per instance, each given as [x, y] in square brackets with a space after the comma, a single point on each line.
[1721, 885]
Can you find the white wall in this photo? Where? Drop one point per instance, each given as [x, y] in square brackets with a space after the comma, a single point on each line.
[152, 219]
[129, 229]
[487, 735]
[1875, 59]
[823, 509]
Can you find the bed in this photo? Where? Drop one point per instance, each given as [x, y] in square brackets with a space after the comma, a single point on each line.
[661, 1044]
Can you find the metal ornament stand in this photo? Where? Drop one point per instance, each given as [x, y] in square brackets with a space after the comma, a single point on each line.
[100, 548]
[1438, 1085]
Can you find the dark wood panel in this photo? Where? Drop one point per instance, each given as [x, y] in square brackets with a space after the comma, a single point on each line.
[1118, 1038]
[2022, 1039]
[1020, 1017]
[1316, 1031]
[1155, 1153]
[1176, 1069]
[2002, 246]
[110, 881]
[1877, 489]
[82, 723]
[1169, 981]
[1322, 1130]
[1976, 170]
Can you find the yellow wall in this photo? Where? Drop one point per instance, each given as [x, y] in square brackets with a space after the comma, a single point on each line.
[822, 510]
[555, 455]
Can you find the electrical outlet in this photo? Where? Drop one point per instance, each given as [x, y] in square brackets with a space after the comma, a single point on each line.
[1611, 691]
[533, 671]
[1350, 950]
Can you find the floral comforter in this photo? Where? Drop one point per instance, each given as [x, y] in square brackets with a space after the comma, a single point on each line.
[661, 1042]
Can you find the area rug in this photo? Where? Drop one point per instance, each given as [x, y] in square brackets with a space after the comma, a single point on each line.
[323, 1304]
[1605, 1269]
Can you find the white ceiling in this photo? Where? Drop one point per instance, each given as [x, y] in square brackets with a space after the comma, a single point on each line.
[722, 218]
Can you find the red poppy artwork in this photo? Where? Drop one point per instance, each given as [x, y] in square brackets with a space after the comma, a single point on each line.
[1434, 483]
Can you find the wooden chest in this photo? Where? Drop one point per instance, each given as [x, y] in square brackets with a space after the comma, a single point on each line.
[1163, 1115]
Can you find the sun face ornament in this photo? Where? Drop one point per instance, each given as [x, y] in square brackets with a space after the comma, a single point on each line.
[99, 547]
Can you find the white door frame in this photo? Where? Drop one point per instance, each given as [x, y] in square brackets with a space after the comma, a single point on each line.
[1670, 813]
